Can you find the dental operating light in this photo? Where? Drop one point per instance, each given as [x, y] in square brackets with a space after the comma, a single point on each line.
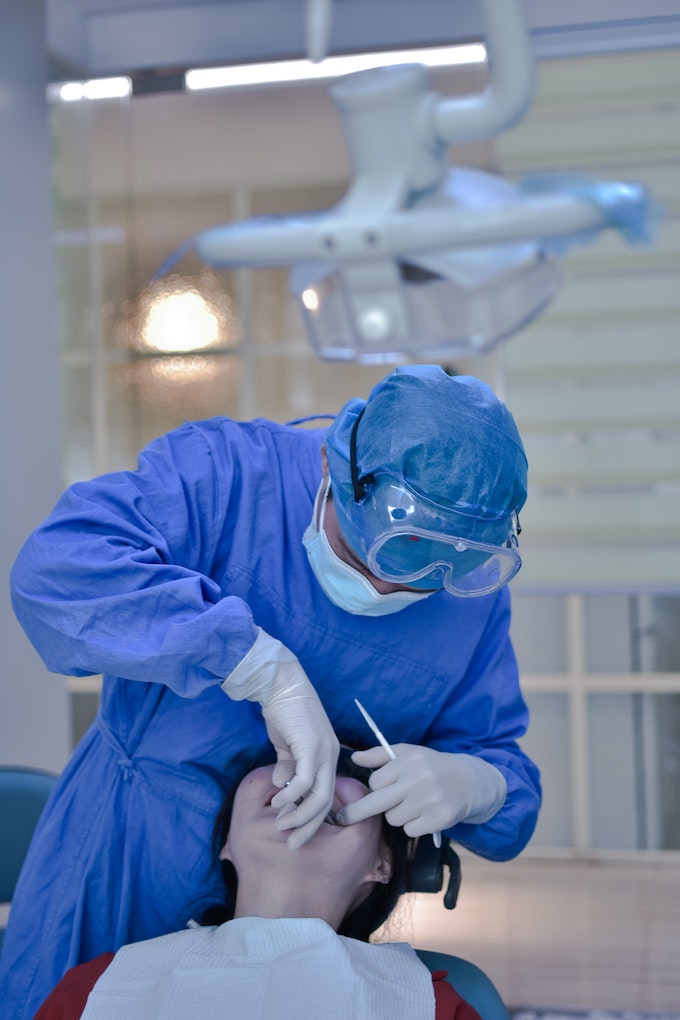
[421, 258]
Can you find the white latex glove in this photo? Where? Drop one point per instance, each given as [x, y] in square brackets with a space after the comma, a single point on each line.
[298, 727]
[426, 791]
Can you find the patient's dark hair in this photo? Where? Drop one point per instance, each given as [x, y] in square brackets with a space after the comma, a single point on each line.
[361, 922]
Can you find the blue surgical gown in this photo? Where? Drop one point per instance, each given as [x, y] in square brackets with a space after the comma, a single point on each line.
[158, 579]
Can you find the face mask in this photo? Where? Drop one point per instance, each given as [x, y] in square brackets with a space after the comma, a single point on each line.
[344, 585]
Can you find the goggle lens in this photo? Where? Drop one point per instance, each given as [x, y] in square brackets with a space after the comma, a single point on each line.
[462, 567]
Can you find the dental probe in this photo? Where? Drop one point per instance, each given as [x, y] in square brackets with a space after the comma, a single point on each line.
[376, 732]
[436, 836]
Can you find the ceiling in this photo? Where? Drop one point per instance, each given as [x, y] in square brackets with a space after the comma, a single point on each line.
[94, 38]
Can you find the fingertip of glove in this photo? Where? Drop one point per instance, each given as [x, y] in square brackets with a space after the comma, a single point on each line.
[283, 814]
[295, 841]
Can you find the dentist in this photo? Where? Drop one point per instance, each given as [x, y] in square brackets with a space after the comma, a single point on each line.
[244, 585]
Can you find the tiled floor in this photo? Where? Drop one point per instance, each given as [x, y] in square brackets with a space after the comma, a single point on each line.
[563, 935]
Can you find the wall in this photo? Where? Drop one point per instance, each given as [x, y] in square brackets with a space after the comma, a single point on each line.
[33, 705]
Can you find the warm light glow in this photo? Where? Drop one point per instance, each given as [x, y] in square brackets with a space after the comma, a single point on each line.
[332, 67]
[96, 88]
[310, 299]
[177, 369]
[181, 315]
[180, 322]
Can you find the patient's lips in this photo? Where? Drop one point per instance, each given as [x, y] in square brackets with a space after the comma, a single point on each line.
[331, 817]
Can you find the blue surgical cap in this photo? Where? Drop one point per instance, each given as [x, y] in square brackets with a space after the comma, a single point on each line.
[449, 437]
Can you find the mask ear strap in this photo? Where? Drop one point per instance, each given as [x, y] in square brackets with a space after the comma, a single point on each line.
[321, 498]
[358, 484]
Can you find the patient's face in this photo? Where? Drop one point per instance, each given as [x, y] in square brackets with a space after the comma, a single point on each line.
[350, 850]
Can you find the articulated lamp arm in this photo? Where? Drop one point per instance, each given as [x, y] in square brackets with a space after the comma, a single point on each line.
[509, 95]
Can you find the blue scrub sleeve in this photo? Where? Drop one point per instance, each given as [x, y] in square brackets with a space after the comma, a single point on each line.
[486, 716]
[117, 579]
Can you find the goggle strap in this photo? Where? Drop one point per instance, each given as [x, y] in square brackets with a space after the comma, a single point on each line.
[358, 484]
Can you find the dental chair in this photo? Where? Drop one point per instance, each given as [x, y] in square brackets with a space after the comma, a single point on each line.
[426, 874]
[23, 795]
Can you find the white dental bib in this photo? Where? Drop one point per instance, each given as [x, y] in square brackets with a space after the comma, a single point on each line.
[254, 968]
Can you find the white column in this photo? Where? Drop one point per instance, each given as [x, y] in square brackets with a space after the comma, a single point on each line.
[34, 727]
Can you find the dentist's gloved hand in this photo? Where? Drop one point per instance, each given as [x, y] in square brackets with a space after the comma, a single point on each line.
[426, 791]
[298, 727]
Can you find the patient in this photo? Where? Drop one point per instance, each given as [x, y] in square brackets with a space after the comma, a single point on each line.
[291, 938]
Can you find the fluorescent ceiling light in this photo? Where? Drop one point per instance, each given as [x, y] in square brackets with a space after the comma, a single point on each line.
[240, 75]
[96, 88]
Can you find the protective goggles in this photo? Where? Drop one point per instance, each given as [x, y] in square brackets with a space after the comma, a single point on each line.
[405, 538]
